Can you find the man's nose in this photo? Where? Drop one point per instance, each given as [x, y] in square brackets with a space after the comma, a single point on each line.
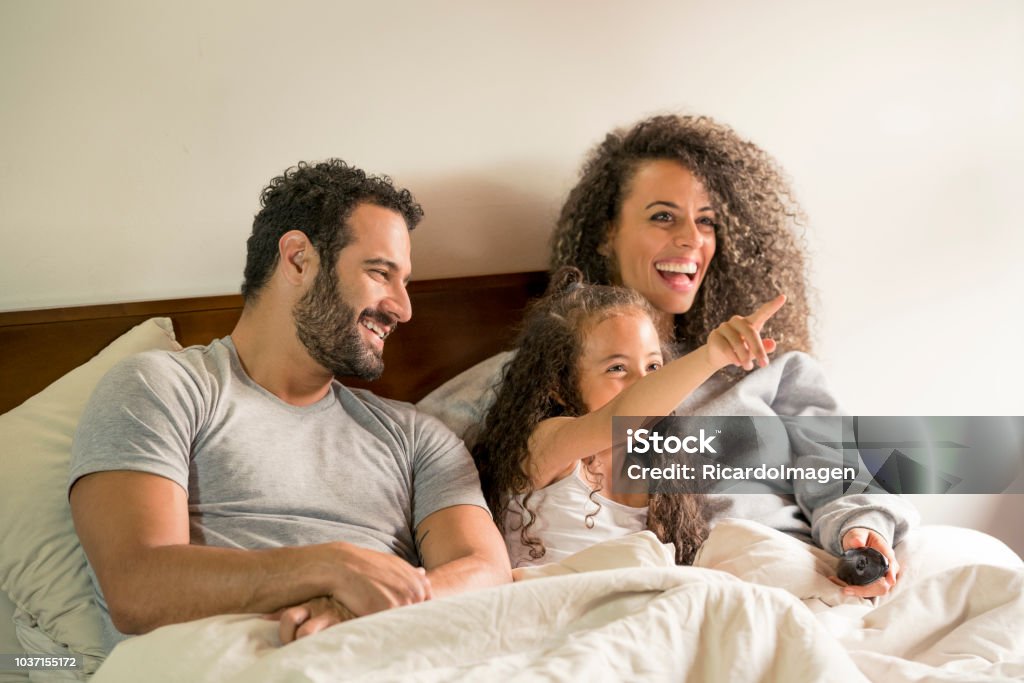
[398, 304]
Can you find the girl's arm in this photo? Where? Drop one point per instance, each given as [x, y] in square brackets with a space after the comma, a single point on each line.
[557, 443]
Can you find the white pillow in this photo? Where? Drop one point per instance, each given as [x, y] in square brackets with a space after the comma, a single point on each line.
[462, 402]
[42, 565]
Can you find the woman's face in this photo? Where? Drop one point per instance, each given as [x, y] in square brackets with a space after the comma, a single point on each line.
[664, 238]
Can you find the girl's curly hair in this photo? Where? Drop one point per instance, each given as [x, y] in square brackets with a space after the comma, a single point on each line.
[759, 251]
[542, 381]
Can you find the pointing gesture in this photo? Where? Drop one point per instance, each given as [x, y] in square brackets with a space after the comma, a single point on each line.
[759, 317]
[738, 340]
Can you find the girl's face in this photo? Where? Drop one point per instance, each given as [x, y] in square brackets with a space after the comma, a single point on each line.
[664, 237]
[616, 352]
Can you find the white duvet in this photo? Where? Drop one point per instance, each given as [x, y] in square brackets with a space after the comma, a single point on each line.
[620, 611]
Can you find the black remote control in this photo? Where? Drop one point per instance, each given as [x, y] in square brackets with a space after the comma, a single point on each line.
[861, 566]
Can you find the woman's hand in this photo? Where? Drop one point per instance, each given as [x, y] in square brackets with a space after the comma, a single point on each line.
[859, 537]
[738, 340]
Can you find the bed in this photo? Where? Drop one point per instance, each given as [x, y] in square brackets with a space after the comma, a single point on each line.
[756, 607]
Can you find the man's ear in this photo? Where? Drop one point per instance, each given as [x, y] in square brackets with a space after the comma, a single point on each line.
[297, 258]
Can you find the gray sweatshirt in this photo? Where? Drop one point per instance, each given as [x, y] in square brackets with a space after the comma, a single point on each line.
[792, 385]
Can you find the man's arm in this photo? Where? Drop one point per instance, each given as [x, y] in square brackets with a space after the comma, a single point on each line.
[461, 549]
[134, 529]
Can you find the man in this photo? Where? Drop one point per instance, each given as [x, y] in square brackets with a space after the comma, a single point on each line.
[243, 477]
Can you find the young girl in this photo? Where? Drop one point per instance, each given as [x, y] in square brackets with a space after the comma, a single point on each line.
[587, 353]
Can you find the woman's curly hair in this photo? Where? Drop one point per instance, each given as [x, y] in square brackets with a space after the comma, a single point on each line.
[542, 381]
[759, 251]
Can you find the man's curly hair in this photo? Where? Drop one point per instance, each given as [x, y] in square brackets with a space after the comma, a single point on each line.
[542, 381]
[759, 251]
[318, 200]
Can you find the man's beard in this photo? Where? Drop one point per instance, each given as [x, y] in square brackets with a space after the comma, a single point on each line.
[328, 327]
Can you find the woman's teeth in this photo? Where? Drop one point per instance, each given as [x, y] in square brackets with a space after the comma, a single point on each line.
[686, 268]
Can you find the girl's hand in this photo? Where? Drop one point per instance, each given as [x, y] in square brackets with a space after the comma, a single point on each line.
[738, 340]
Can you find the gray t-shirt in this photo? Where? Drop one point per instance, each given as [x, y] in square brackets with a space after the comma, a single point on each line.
[262, 473]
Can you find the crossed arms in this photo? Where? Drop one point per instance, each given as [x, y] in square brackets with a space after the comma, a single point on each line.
[134, 528]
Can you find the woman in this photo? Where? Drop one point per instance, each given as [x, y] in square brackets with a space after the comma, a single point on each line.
[703, 224]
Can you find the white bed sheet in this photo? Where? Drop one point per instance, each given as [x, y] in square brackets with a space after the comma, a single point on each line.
[655, 624]
[638, 620]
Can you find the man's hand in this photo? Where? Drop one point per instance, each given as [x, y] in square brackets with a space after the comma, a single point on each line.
[310, 617]
[860, 537]
[373, 581]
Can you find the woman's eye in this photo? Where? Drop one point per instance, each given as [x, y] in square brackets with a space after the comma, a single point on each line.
[653, 366]
[708, 223]
[662, 217]
[616, 368]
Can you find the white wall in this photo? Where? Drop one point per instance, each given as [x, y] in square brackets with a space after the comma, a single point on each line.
[136, 137]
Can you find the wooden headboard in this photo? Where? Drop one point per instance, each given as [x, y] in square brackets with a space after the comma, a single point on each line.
[456, 323]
